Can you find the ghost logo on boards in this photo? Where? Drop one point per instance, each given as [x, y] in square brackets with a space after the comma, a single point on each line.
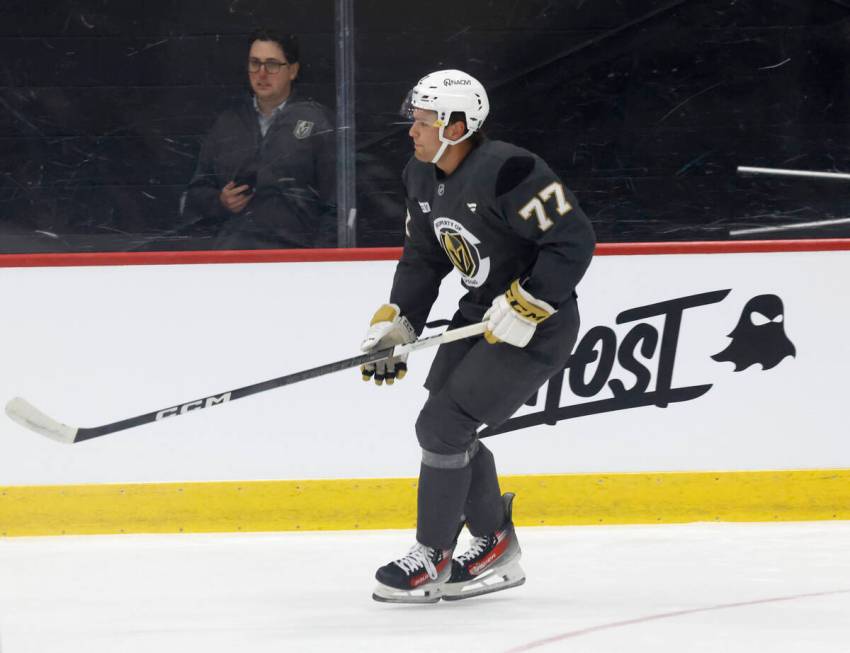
[759, 336]
[461, 246]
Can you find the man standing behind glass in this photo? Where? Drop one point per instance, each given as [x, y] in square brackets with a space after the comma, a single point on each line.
[266, 169]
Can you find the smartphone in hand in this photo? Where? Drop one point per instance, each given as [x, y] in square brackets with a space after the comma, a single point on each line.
[246, 178]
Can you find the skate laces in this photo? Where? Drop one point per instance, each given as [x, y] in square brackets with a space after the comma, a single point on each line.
[418, 556]
[476, 547]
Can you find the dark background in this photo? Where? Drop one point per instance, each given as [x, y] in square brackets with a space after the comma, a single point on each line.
[645, 108]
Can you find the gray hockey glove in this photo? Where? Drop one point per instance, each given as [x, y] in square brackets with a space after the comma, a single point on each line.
[514, 316]
[387, 329]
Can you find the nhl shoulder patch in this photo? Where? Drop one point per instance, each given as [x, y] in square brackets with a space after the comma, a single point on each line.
[303, 128]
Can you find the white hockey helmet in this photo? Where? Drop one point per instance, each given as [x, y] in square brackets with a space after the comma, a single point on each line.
[447, 91]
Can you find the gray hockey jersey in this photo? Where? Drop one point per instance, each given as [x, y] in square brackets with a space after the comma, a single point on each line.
[501, 215]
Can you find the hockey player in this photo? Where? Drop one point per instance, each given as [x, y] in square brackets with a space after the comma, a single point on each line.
[500, 216]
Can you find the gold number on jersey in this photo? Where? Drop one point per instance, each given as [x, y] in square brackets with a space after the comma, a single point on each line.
[562, 205]
[536, 208]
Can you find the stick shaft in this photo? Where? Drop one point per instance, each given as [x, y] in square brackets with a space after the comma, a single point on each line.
[26, 414]
[232, 395]
[794, 173]
[789, 227]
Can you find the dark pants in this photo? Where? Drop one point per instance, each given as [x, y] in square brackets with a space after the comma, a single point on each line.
[472, 383]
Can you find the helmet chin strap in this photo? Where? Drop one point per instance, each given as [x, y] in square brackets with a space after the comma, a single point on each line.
[441, 151]
[445, 142]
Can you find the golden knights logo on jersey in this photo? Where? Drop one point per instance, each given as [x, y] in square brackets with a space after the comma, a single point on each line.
[460, 245]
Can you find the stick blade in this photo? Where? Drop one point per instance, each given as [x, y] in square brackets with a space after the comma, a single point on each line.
[27, 415]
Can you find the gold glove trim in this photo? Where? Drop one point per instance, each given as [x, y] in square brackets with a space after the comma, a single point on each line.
[386, 313]
[520, 302]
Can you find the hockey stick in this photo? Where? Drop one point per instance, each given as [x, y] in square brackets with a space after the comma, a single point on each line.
[782, 172]
[29, 416]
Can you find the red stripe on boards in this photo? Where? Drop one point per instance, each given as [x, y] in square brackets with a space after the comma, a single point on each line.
[393, 253]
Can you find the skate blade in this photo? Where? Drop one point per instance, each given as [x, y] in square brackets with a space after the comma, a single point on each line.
[495, 581]
[385, 594]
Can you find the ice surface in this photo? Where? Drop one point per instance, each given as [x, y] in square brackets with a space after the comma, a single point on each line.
[693, 587]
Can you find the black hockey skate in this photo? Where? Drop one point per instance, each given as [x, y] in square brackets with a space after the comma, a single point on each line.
[416, 578]
[491, 563]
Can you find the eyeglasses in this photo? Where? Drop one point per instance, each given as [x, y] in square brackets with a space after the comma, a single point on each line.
[272, 66]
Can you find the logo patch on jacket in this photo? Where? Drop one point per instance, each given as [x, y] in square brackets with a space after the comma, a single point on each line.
[303, 128]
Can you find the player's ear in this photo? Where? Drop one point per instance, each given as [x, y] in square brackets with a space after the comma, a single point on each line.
[293, 70]
[455, 130]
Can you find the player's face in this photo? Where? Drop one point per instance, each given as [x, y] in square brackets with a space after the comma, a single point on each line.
[270, 87]
[425, 134]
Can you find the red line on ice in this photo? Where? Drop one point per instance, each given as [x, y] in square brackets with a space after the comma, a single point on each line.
[664, 615]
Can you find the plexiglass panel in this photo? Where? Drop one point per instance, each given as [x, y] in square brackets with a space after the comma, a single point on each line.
[645, 108]
[123, 123]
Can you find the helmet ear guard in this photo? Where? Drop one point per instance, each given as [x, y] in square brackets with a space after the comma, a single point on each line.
[445, 142]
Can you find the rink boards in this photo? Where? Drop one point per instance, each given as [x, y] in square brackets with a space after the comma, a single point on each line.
[660, 417]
